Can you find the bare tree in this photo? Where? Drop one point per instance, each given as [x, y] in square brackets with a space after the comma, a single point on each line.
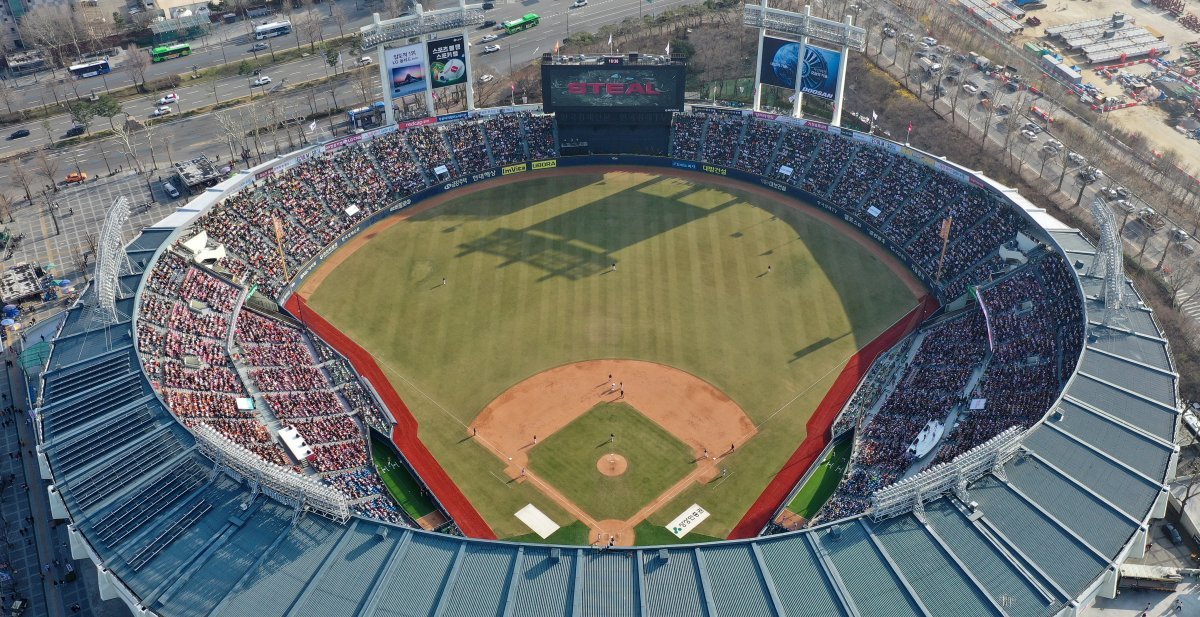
[393, 8]
[308, 24]
[338, 15]
[136, 63]
[6, 207]
[232, 131]
[366, 79]
[47, 168]
[18, 173]
[6, 94]
[124, 133]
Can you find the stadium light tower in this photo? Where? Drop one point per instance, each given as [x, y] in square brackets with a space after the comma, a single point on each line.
[109, 259]
[413, 29]
[843, 35]
[1108, 262]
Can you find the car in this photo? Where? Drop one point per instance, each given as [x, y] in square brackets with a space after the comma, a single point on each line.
[930, 41]
[491, 49]
[483, 79]
[1033, 126]
[76, 176]
[908, 37]
[487, 6]
[1041, 114]
[1124, 206]
[261, 81]
[889, 31]
[498, 27]
[74, 131]
[487, 24]
[489, 38]
[1076, 158]
[578, 3]
[1054, 144]
[19, 133]
[160, 111]
[364, 61]
[1172, 533]
[259, 46]
[954, 69]
[1004, 108]
[945, 49]
[985, 94]
[970, 88]
[1029, 136]
[1179, 235]
[1193, 423]
[168, 99]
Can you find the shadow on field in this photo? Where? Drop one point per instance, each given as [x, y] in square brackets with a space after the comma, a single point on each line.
[801, 353]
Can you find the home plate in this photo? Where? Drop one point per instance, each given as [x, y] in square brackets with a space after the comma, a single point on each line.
[538, 522]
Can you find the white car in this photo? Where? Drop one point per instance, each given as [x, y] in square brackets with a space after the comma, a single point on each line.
[489, 38]
[930, 41]
[970, 88]
[1076, 158]
[1179, 235]
[1029, 136]
[364, 61]
[160, 111]
[262, 81]
[491, 49]
[578, 3]
[483, 79]
[169, 99]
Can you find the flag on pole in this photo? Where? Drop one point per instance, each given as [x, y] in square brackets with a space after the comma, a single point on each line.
[668, 48]
[312, 127]
[610, 42]
[556, 46]
[910, 127]
[513, 87]
[874, 116]
[946, 224]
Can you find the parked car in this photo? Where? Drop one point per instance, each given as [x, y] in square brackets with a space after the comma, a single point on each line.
[1054, 144]
[489, 38]
[1033, 126]
[487, 24]
[1004, 108]
[160, 111]
[169, 99]
[76, 176]
[1172, 533]
[908, 37]
[1076, 158]
[19, 133]
[74, 131]
[491, 49]
[1179, 235]
[970, 88]
[1124, 206]
[985, 94]
[889, 31]
[487, 6]
[1029, 135]
[483, 79]
[261, 81]
[945, 49]
[930, 41]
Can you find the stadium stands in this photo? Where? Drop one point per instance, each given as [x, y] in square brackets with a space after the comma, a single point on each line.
[179, 538]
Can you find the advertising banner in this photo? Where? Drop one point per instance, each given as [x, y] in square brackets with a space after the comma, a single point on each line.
[818, 71]
[644, 88]
[406, 70]
[687, 520]
[447, 61]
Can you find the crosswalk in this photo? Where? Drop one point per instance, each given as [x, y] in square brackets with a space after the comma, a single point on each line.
[1191, 308]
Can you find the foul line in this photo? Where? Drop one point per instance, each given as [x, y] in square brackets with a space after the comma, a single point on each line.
[387, 367]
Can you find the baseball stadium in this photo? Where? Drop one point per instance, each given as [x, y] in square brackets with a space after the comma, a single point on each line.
[594, 357]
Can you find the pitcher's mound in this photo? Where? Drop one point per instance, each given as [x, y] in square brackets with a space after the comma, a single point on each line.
[612, 464]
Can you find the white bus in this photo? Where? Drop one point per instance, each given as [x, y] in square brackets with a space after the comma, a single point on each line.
[267, 31]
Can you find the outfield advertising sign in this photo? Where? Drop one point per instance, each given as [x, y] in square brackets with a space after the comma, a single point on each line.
[447, 62]
[406, 70]
[818, 70]
[685, 522]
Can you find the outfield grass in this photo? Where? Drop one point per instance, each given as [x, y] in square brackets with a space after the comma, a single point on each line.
[567, 459]
[823, 481]
[403, 487]
[527, 289]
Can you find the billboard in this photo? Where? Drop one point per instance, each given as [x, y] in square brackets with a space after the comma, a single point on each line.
[447, 62]
[819, 71]
[640, 88]
[406, 70]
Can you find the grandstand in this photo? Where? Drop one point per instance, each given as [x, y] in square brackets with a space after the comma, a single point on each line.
[175, 532]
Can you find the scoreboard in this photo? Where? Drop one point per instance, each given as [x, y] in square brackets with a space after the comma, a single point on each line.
[615, 87]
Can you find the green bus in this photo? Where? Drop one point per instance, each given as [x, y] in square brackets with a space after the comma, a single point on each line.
[166, 52]
[524, 23]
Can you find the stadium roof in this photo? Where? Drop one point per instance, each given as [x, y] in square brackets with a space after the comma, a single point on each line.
[177, 536]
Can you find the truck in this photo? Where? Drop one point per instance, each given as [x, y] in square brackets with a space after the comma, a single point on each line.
[979, 61]
[930, 67]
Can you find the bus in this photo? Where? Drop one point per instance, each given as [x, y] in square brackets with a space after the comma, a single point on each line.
[524, 23]
[90, 68]
[166, 52]
[270, 30]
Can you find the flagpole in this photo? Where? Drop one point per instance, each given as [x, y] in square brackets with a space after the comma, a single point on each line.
[946, 226]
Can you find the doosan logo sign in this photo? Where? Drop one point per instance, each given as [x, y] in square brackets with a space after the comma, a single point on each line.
[595, 87]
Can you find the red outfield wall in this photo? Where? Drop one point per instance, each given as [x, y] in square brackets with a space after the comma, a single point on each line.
[822, 420]
[404, 434]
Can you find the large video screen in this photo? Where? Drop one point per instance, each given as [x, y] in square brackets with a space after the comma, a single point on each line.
[643, 88]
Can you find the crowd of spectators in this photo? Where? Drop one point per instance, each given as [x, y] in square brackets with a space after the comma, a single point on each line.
[828, 164]
[292, 405]
[759, 146]
[429, 148]
[686, 133]
[393, 156]
[469, 147]
[724, 136]
[539, 135]
[328, 429]
[868, 167]
[504, 134]
[289, 379]
[331, 457]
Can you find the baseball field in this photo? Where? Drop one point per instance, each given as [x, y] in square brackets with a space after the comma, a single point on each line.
[614, 346]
